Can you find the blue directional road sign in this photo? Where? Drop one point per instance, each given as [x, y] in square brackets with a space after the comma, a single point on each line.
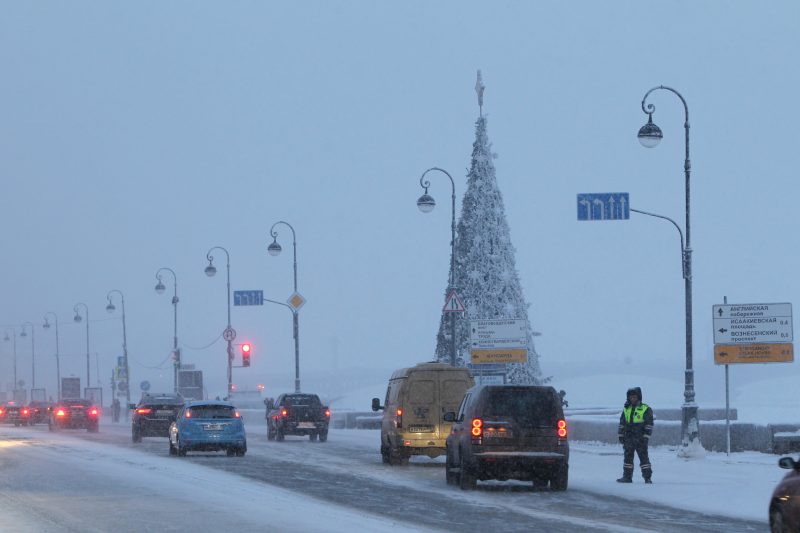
[604, 206]
[248, 297]
[144, 385]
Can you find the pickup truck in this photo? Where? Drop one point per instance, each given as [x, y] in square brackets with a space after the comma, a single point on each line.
[297, 414]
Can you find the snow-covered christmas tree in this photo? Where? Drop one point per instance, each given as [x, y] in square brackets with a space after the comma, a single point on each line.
[486, 276]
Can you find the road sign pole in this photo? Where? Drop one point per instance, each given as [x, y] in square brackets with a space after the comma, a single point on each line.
[727, 405]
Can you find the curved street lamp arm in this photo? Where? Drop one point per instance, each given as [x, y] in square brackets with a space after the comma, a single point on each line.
[274, 234]
[649, 109]
[211, 257]
[425, 183]
[55, 317]
[289, 307]
[86, 307]
[174, 276]
[121, 296]
[684, 250]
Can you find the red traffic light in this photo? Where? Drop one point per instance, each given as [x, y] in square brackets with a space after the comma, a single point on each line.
[246, 354]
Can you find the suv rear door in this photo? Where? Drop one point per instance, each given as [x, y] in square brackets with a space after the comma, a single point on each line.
[523, 417]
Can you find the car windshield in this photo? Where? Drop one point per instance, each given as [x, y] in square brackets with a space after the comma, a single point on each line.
[212, 411]
[532, 408]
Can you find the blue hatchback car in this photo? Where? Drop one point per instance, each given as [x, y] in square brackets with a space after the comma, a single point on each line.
[205, 425]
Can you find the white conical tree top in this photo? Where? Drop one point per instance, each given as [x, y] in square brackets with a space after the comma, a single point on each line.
[486, 275]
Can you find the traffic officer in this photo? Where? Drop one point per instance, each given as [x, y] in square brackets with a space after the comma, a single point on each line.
[635, 428]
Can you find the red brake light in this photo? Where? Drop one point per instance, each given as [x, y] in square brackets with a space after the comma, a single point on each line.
[143, 411]
[562, 429]
[93, 411]
[477, 427]
[1, 411]
[60, 412]
[399, 413]
[327, 412]
[24, 412]
[284, 412]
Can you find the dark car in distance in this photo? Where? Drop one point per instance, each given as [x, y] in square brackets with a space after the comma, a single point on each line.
[14, 412]
[38, 412]
[784, 506]
[75, 414]
[297, 414]
[154, 414]
[508, 432]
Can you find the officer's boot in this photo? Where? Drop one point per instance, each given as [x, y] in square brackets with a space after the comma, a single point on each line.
[647, 473]
[627, 474]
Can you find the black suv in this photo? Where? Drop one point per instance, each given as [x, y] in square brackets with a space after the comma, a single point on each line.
[508, 432]
[297, 414]
[154, 414]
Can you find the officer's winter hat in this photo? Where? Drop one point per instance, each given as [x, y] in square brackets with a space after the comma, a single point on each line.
[637, 391]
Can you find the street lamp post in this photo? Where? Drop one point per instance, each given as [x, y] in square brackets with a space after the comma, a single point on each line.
[14, 337]
[649, 136]
[275, 249]
[111, 308]
[210, 271]
[78, 318]
[160, 290]
[426, 203]
[46, 325]
[33, 352]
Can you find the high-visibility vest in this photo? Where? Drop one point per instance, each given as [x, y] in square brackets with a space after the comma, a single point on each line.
[638, 413]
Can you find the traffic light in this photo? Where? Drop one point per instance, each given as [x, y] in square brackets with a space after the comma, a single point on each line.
[246, 354]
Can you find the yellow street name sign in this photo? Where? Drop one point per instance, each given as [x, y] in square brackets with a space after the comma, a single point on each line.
[725, 354]
[499, 355]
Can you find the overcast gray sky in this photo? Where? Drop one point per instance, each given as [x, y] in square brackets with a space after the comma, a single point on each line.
[138, 135]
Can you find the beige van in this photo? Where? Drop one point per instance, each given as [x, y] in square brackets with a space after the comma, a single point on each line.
[416, 400]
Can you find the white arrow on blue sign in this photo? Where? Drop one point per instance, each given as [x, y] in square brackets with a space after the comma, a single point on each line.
[604, 206]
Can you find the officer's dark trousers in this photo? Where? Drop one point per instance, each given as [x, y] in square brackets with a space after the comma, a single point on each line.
[640, 447]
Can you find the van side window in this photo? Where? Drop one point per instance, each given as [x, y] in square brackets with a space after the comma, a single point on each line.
[462, 409]
[388, 393]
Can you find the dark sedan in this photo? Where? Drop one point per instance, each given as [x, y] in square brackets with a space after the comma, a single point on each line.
[784, 507]
[75, 414]
[13, 412]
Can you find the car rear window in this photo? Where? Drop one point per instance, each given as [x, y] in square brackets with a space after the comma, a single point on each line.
[212, 411]
[533, 408]
[165, 400]
[305, 399]
[421, 392]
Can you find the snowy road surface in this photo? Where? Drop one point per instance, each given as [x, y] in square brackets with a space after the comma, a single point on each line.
[76, 481]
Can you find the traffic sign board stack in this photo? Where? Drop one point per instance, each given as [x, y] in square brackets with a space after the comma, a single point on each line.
[753, 333]
[503, 340]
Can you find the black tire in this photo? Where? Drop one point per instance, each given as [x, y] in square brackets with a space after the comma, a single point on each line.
[93, 428]
[466, 478]
[172, 450]
[230, 452]
[312, 436]
[279, 434]
[560, 478]
[136, 436]
[450, 474]
[397, 457]
[179, 449]
[323, 436]
[270, 433]
[777, 523]
[384, 454]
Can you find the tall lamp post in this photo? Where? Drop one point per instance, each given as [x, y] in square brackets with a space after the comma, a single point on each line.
[111, 308]
[649, 136]
[274, 249]
[46, 325]
[14, 337]
[210, 271]
[160, 290]
[426, 203]
[23, 333]
[78, 318]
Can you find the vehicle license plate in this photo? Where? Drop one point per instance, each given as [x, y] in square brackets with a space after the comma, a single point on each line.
[163, 413]
[213, 427]
[421, 429]
[497, 433]
[305, 425]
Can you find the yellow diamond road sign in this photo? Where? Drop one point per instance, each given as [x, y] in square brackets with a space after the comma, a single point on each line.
[296, 301]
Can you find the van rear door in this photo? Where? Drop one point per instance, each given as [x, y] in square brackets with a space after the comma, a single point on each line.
[420, 415]
[451, 390]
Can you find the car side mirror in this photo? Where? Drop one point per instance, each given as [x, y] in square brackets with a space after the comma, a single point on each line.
[788, 462]
[131, 406]
[376, 404]
[269, 403]
[449, 416]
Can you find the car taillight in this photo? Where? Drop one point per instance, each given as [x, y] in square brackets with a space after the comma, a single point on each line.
[24, 412]
[236, 414]
[284, 412]
[327, 412]
[188, 413]
[93, 411]
[1, 412]
[143, 411]
[477, 427]
[562, 429]
[399, 414]
[60, 412]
